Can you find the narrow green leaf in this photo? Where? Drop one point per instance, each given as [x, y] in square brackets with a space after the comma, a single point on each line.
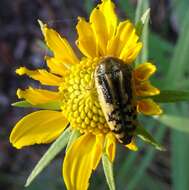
[160, 52]
[175, 122]
[177, 73]
[141, 22]
[127, 166]
[179, 9]
[74, 135]
[179, 160]
[145, 162]
[179, 148]
[166, 96]
[21, 104]
[182, 85]
[139, 11]
[179, 62]
[54, 149]
[149, 180]
[55, 105]
[142, 133]
[132, 157]
[142, 29]
[108, 171]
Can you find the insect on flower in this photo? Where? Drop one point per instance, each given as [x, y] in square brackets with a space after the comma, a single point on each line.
[114, 83]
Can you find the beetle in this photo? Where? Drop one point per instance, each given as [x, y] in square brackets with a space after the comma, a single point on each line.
[115, 89]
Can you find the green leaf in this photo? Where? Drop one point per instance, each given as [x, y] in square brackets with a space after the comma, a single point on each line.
[108, 171]
[145, 162]
[142, 133]
[142, 29]
[175, 122]
[54, 149]
[149, 180]
[176, 74]
[160, 54]
[179, 140]
[179, 9]
[179, 160]
[182, 85]
[179, 63]
[55, 105]
[180, 154]
[142, 21]
[179, 146]
[132, 157]
[166, 96]
[74, 135]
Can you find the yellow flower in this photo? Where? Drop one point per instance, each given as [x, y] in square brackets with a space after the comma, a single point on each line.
[103, 36]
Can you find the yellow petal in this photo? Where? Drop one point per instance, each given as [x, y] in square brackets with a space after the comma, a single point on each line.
[37, 96]
[107, 8]
[41, 75]
[148, 107]
[38, 127]
[110, 146]
[81, 158]
[86, 39]
[146, 89]
[56, 66]
[58, 45]
[97, 151]
[132, 146]
[124, 32]
[144, 71]
[98, 23]
[130, 52]
[125, 43]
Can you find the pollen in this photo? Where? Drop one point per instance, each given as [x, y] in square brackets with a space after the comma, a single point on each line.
[80, 103]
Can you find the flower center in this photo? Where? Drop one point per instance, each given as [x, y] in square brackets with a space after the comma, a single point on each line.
[80, 103]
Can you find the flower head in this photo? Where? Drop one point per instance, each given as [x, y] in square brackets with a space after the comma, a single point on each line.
[101, 38]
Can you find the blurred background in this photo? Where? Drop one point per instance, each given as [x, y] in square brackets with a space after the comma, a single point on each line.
[167, 47]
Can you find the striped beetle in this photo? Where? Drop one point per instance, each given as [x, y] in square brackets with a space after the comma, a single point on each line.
[114, 84]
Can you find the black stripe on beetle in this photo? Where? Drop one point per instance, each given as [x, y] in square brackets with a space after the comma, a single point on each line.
[114, 84]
